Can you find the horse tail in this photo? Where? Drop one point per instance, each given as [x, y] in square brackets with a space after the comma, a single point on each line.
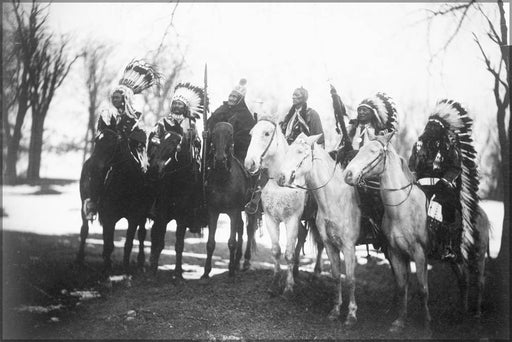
[252, 224]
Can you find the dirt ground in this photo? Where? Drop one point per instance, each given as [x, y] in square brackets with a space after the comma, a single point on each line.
[38, 271]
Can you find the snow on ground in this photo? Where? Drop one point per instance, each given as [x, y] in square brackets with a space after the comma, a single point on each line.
[59, 214]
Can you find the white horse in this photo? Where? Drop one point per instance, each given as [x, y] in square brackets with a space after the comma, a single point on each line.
[267, 150]
[338, 217]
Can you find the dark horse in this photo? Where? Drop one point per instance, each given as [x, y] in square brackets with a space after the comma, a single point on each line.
[174, 177]
[227, 192]
[113, 172]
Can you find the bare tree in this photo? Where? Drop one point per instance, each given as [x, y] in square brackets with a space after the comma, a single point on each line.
[97, 78]
[26, 35]
[499, 70]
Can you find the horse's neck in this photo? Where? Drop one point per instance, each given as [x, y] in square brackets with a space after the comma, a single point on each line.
[393, 177]
[274, 160]
[330, 189]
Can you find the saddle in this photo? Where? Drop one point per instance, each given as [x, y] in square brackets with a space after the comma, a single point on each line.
[372, 210]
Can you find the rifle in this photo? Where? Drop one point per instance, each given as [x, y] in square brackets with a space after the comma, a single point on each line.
[205, 132]
[339, 113]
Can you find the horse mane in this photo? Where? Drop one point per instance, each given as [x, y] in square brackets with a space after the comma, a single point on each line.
[456, 120]
[406, 170]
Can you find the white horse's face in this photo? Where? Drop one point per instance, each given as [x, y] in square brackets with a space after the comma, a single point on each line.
[369, 161]
[262, 146]
[297, 164]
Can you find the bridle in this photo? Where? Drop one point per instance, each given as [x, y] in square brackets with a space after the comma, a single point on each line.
[382, 156]
[270, 142]
[299, 164]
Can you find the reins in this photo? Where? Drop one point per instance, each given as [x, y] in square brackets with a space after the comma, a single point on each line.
[315, 188]
[372, 165]
[271, 140]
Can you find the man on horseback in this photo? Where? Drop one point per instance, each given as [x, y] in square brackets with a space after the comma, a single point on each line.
[187, 105]
[122, 116]
[443, 162]
[300, 119]
[235, 112]
[376, 115]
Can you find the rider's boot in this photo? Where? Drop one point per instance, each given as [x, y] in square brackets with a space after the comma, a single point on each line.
[252, 206]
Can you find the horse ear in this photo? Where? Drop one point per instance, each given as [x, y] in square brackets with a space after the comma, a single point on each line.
[314, 138]
[389, 136]
[302, 137]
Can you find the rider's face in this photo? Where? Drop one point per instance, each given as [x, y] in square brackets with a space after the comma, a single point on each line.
[298, 98]
[178, 107]
[364, 114]
[233, 98]
[118, 100]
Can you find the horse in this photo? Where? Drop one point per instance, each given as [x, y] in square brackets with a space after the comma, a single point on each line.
[227, 192]
[113, 172]
[175, 187]
[267, 150]
[338, 216]
[405, 220]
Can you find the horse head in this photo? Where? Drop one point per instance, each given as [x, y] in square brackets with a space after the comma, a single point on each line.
[164, 154]
[370, 161]
[298, 162]
[265, 136]
[222, 146]
[106, 147]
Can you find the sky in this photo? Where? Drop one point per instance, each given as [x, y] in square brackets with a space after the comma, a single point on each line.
[361, 48]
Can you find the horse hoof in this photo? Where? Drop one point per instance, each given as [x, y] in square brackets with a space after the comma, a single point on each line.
[350, 322]
[272, 292]
[333, 315]
[396, 327]
[204, 280]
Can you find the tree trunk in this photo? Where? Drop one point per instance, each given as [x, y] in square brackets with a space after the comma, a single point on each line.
[36, 147]
[10, 175]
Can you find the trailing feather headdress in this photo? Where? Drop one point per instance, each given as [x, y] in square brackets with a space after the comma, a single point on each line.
[455, 120]
[139, 75]
[192, 96]
[384, 109]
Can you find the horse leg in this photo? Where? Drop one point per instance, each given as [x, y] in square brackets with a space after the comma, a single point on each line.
[462, 272]
[273, 231]
[334, 257]
[481, 284]
[239, 241]
[400, 268]
[128, 244]
[420, 260]
[292, 231]
[179, 246]
[157, 243]
[301, 240]
[349, 252]
[141, 234]
[319, 248]
[235, 218]
[84, 232]
[213, 216]
[251, 242]
[108, 245]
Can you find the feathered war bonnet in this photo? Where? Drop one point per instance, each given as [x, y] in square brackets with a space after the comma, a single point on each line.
[241, 87]
[454, 119]
[137, 76]
[384, 109]
[192, 96]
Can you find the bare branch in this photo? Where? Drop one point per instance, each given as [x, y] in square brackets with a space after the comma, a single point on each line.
[171, 25]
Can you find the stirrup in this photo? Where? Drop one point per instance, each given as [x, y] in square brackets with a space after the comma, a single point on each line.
[251, 207]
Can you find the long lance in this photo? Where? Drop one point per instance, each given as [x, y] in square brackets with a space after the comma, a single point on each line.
[205, 129]
[339, 113]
